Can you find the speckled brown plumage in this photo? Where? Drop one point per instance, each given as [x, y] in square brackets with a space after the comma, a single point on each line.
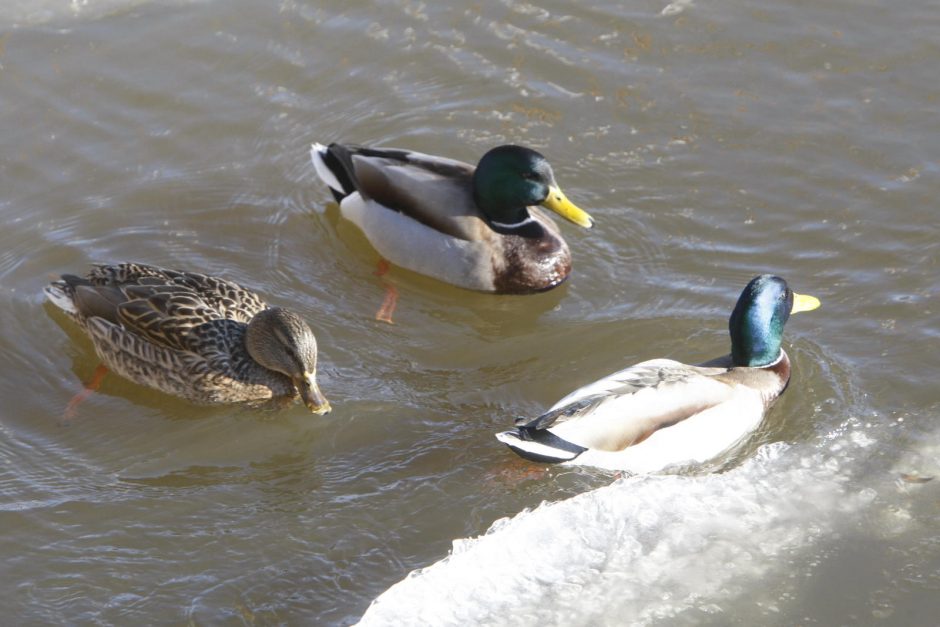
[185, 333]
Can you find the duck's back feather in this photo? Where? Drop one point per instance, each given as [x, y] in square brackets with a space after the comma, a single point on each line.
[159, 305]
[432, 190]
[695, 440]
[628, 406]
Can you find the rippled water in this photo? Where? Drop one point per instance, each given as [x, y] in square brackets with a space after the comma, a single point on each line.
[711, 141]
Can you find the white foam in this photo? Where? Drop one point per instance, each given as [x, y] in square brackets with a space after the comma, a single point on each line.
[677, 7]
[640, 550]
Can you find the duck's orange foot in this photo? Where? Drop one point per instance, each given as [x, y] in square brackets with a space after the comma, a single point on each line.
[515, 470]
[72, 408]
[384, 314]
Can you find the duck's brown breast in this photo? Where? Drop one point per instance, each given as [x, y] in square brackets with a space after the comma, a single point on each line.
[530, 264]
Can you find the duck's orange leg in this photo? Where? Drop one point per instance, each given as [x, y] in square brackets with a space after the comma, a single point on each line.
[90, 388]
[382, 267]
[385, 312]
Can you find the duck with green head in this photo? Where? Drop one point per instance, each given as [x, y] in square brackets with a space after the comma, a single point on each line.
[663, 413]
[478, 228]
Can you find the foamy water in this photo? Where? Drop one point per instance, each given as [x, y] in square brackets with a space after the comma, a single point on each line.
[646, 550]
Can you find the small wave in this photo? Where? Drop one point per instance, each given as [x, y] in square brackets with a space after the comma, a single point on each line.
[35, 12]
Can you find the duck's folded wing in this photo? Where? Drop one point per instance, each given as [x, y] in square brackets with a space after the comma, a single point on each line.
[130, 281]
[628, 406]
[165, 317]
[229, 299]
[433, 190]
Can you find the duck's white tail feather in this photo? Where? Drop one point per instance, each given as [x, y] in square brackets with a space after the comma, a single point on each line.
[317, 155]
[535, 451]
[58, 297]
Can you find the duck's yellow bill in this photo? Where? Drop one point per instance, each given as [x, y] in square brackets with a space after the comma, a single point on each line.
[311, 395]
[559, 203]
[802, 302]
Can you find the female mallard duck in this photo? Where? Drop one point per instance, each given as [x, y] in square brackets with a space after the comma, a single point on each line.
[475, 228]
[205, 339]
[661, 413]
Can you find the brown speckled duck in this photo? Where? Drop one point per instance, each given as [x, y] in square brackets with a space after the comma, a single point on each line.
[199, 337]
[477, 228]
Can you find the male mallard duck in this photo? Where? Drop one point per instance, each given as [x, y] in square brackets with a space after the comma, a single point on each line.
[205, 339]
[476, 228]
[662, 412]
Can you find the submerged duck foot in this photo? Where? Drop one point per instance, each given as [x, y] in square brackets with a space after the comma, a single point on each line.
[71, 410]
[384, 314]
[513, 471]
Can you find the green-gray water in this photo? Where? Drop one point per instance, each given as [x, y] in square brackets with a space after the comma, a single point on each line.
[711, 141]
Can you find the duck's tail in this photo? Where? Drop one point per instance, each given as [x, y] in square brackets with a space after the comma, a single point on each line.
[539, 445]
[60, 295]
[331, 171]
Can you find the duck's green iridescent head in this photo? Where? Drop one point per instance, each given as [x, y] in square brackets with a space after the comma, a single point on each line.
[757, 322]
[510, 178]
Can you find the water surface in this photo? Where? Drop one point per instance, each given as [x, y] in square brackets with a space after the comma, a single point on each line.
[709, 140]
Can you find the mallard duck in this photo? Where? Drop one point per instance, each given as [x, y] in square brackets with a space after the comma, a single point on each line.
[476, 228]
[663, 413]
[205, 339]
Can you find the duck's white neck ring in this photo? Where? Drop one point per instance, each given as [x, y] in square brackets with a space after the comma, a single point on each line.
[776, 361]
[515, 225]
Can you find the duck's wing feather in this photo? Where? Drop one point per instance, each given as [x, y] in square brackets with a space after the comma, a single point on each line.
[164, 307]
[229, 299]
[140, 281]
[432, 190]
[628, 406]
[168, 319]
